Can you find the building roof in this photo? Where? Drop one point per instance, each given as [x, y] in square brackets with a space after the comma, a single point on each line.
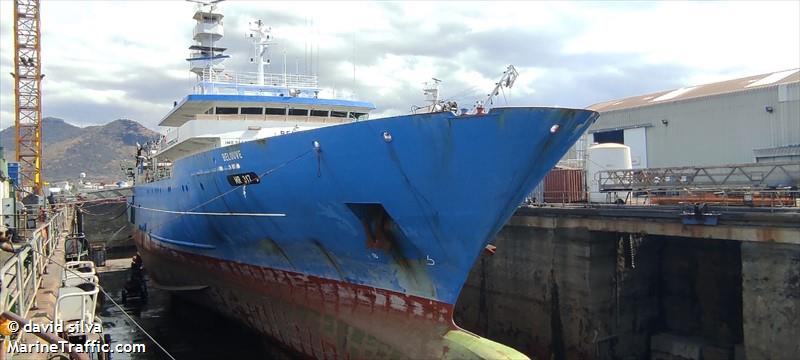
[691, 92]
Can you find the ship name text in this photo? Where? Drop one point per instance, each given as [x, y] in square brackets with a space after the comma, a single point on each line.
[232, 155]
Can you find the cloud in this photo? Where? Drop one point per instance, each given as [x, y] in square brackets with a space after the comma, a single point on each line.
[125, 59]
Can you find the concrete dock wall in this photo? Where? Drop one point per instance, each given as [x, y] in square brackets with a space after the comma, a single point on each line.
[771, 300]
[558, 294]
[571, 293]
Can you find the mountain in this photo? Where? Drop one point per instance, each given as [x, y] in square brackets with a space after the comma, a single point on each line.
[54, 130]
[97, 151]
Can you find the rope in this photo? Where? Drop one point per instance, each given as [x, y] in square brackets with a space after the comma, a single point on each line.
[207, 213]
[109, 297]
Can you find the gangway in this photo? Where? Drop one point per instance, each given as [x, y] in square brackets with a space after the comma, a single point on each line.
[755, 176]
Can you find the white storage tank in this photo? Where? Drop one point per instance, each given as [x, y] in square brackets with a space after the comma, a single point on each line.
[601, 157]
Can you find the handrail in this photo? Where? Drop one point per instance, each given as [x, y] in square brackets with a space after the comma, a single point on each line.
[224, 81]
[250, 78]
[21, 274]
[727, 198]
[87, 313]
[735, 176]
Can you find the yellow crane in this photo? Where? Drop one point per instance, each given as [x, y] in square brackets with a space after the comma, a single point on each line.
[28, 95]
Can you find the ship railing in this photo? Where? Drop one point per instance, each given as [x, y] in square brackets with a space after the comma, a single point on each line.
[280, 118]
[222, 81]
[22, 272]
[724, 198]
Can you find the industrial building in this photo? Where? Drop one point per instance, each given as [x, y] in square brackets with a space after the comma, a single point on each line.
[751, 119]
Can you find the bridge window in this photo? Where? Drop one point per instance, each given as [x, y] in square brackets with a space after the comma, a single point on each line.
[321, 113]
[227, 111]
[298, 112]
[339, 114]
[252, 110]
[358, 116]
[275, 111]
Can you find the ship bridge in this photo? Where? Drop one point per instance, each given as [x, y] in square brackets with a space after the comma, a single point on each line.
[205, 121]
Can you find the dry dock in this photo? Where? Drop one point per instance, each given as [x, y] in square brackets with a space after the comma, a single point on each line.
[635, 282]
[585, 282]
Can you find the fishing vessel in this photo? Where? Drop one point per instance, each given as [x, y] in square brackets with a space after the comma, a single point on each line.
[337, 235]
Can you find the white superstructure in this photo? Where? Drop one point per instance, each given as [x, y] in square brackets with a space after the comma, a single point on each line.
[226, 107]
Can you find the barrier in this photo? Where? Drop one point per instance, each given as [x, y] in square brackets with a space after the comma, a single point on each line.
[21, 274]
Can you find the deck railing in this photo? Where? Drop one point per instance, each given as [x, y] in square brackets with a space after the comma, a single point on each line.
[22, 272]
[771, 199]
[225, 81]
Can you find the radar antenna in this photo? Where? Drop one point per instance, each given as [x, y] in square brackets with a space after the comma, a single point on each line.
[212, 3]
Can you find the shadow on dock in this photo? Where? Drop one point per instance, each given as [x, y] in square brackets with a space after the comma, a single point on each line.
[185, 329]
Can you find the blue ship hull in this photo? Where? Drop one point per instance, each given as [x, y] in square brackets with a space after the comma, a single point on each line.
[333, 223]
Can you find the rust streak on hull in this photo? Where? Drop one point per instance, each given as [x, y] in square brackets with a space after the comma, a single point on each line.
[315, 317]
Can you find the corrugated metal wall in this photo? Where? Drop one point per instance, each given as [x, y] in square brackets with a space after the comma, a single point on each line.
[564, 186]
[714, 130]
[560, 186]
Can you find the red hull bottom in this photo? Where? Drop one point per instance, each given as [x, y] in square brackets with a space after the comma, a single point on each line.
[317, 317]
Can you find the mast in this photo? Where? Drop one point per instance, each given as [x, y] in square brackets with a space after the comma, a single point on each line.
[261, 37]
[431, 92]
[205, 58]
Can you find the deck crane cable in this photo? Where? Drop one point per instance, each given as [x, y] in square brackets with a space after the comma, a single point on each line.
[191, 210]
[507, 80]
[104, 293]
[468, 93]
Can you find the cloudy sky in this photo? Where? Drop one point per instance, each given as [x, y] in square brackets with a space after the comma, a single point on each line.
[105, 60]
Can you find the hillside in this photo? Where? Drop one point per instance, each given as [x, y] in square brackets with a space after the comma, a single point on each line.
[94, 150]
